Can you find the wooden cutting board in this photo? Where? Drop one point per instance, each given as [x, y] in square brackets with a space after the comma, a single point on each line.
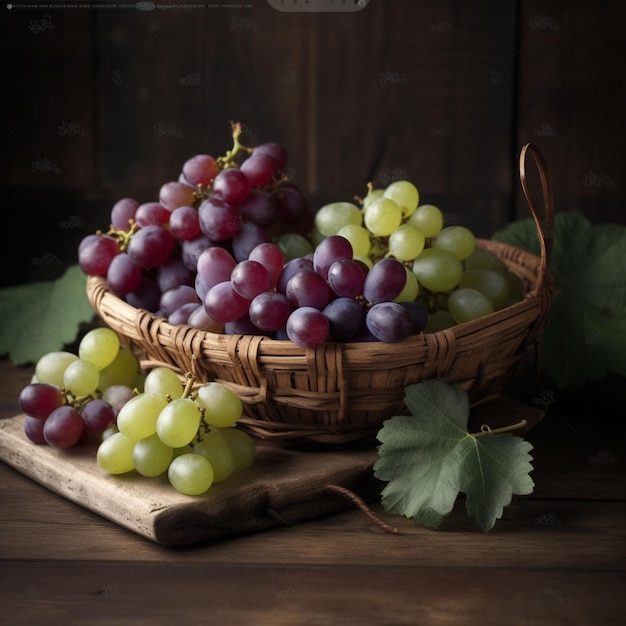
[283, 486]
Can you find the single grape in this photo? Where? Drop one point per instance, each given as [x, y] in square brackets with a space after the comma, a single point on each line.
[389, 322]
[271, 257]
[308, 327]
[63, 428]
[174, 273]
[178, 422]
[404, 194]
[39, 399]
[457, 240]
[115, 454]
[121, 371]
[151, 246]
[163, 381]
[219, 218]
[270, 310]
[428, 218]
[152, 213]
[466, 305]
[250, 278]
[33, 429]
[117, 395]
[201, 320]
[232, 185]
[259, 169]
[437, 270]
[406, 242]
[123, 212]
[185, 223]
[345, 317]
[215, 265]
[97, 415]
[260, 207]
[222, 406]
[358, 237]
[190, 474]
[99, 346]
[491, 284]
[137, 419]
[275, 150]
[328, 251]
[96, 255]
[346, 278]
[81, 378]
[382, 217]
[200, 169]
[51, 367]
[223, 304]
[385, 281]
[334, 216]
[151, 457]
[215, 450]
[175, 194]
[294, 245]
[307, 288]
[484, 259]
[123, 276]
[174, 298]
[242, 447]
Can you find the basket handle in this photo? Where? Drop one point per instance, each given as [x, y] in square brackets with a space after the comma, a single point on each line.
[544, 220]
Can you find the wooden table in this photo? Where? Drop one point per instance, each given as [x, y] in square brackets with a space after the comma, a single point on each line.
[557, 557]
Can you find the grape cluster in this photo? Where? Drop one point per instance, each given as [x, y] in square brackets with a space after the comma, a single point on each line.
[151, 424]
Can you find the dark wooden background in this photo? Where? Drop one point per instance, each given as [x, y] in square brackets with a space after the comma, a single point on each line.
[101, 103]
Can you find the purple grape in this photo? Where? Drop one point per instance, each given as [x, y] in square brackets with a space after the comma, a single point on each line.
[175, 194]
[122, 212]
[290, 268]
[308, 327]
[174, 273]
[152, 213]
[250, 278]
[151, 246]
[215, 265]
[389, 322]
[419, 315]
[307, 288]
[96, 253]
[232, 185]
[275, 150]
[345, 317]
[269, 311]
[173, 299]
[248, 237]
[191, 251]
[224, 304]
[39, 399]
[123, 276]
[271, 256]
[201, 320]
[293, 206]
[219, 219]
[182, 313]
[260, 207]
[259, 168]
[385, 281]
[97, 416]
[242, 326]
[346, 278]
[33, 429]
[185, 223]
[200, 169]
[63, 428]
[147, 296]
[328, 251]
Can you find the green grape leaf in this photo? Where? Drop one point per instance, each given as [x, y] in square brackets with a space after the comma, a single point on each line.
[429, 458]
[43, 317]
[585, 336]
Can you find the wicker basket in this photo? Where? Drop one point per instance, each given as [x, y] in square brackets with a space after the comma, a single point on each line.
[342, 392]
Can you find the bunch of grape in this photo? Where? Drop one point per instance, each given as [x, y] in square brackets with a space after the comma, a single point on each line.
[447, 275]
[166, 427]
[188, 434]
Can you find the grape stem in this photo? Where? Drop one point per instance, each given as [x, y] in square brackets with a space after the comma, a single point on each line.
[228, 160]
[123, 237]
[486, 430]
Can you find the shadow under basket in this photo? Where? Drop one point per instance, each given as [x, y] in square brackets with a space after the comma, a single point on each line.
[342, 392]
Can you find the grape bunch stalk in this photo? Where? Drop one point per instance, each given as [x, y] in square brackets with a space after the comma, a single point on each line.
[149, 424]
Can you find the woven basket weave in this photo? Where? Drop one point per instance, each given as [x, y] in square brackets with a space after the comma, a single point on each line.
[342, 392]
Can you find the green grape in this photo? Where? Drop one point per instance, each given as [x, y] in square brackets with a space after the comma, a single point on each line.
[458, 240]
[468, 304]
[51, 367]
[137, 419]
[439, 320]
[382, 217]
[111, 430]
[294, 246]
[489, 283]
[372, 194]
[334, 216]
[406, 242]
[81, 378]
[222, 406]
[99, 346]
[484, 259]
[358, 237]
[428, 218]
[151, 456]
[411, 288]
[437, 270]
[178, 422]
[115, 454]
[190, 474]
[214, 448]
[164, 381]
[122, 371]
[404, 194]
[515, 284]
[241, 446]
